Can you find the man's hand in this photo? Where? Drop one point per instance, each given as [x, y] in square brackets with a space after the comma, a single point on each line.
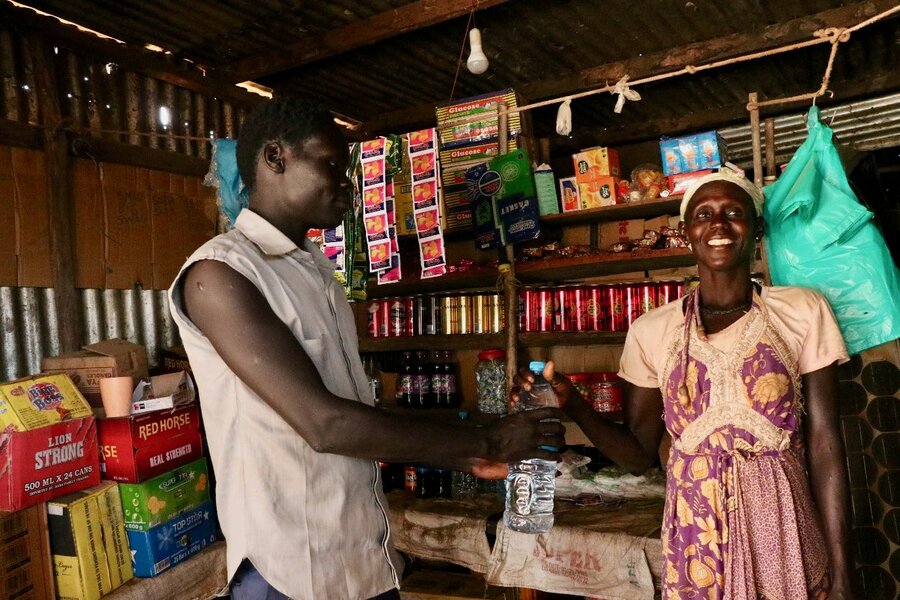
[528, 434]
[490, 470]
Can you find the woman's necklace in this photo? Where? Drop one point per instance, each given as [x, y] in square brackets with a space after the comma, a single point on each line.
[726, 311]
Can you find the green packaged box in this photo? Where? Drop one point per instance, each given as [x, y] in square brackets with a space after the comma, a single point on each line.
[159, 499]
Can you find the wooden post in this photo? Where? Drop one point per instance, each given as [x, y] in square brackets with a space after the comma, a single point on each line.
[770, 150]
[508, 268]
[754, 133]
[62, 217]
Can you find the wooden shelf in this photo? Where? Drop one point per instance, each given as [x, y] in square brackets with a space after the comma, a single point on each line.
[618, 212]
[494, 340]
[582, 267]
[482, 278]
[571, 338]
[538, 271]
[467, 341]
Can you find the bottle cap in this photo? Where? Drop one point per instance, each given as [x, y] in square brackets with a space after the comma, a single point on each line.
[491, 354]
[536, 366]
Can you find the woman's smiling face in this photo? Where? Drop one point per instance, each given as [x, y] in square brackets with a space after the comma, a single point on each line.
[722, 226]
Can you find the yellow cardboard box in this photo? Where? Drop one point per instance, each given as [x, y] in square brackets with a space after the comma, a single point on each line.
[88, 542]
[40, 400]
[598, 192]
[594, 163]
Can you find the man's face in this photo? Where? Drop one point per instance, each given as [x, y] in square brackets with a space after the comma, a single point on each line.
[721, 225]
[317, 190]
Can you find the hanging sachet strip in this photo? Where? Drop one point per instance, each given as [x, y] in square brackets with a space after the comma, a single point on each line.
[375, 219]
[392, 274]
[426, 193]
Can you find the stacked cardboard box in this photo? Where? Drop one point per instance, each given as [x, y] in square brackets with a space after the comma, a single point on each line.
[168, 518]
[25, 566]
[88, 543]
[109, 358]
[140, 447]
[48, 442]
[469, 135]
[596, 175]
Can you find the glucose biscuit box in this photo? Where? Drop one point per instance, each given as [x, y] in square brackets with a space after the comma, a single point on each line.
[157, 500]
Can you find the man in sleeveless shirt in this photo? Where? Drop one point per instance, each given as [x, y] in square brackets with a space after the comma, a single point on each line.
[293, 435]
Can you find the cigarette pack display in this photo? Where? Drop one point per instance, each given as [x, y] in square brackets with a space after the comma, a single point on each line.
[140, 447]
[87, 539]
[170, 543]
[157, 500]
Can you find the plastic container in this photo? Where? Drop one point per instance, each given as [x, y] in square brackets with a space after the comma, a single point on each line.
[490, 381]
[606, 392]
[531, 483]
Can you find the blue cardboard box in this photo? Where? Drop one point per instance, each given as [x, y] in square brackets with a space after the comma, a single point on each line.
[170, 543]
[691, 153]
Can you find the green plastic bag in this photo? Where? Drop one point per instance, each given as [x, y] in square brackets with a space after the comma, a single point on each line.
[819, 236]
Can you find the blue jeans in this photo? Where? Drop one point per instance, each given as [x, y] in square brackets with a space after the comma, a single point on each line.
[248, 584]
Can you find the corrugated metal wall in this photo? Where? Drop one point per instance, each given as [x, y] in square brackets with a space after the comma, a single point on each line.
[98, 95]
[28, 324]
[870, 124]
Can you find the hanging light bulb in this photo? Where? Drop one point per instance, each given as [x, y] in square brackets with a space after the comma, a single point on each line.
[478, 62]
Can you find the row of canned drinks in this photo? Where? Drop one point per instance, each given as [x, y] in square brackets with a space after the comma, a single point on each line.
[444, 314]
[604, 307]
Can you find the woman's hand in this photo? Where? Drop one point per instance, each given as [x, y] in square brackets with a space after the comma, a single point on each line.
[560, 384]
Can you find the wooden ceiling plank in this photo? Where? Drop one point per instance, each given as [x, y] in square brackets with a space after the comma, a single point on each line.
[128, 57]
[773, 36]
[385, 25]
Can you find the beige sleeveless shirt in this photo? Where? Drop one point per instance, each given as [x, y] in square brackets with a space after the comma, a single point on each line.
[314, 525]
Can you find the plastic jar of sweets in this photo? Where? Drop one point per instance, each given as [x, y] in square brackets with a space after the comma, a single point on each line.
[490, 381]
[582, 383]
[606, 392]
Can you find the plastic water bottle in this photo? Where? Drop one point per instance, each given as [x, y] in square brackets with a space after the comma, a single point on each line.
[531, 482]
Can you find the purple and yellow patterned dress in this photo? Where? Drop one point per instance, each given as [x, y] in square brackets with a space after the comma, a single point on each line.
[739, 521]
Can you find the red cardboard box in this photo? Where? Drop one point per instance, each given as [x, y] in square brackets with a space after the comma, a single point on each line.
[44, 463]
[140, 447]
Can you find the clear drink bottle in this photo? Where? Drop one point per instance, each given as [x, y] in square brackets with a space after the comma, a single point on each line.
[531, 482]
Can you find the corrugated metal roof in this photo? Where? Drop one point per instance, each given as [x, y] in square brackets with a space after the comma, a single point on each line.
[527, 41]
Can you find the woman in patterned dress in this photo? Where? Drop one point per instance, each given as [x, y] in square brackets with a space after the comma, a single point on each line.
[745, 378]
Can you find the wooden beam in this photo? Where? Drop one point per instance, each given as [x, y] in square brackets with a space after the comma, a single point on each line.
[781, 34]
[138, 60]
[62, 215]
[23, 135]
[385, 25]
[139, 156]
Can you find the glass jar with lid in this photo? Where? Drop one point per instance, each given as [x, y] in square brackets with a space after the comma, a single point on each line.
[490, 381]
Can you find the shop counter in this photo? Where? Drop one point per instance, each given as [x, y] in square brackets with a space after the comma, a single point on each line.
[200, 577]
[607, 549]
